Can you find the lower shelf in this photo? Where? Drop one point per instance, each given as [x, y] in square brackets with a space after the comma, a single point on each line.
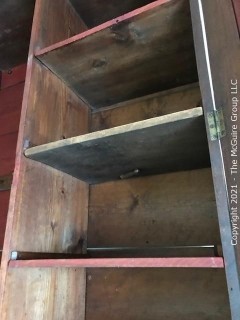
[116, 294]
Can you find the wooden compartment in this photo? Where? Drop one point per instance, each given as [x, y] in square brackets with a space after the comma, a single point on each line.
[128, 57]
[113, 212]
[143, 294]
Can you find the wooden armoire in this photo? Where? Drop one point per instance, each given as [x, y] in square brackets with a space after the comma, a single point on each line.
[124, 202]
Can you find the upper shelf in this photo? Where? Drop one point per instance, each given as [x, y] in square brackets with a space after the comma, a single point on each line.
[145, 51]
[168, 143]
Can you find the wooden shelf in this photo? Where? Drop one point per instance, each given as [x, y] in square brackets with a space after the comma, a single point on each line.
[145, 51]
[168, 143]
[211, 262]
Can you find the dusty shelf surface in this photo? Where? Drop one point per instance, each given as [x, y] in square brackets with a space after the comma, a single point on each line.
[168, 143]
[145, 51]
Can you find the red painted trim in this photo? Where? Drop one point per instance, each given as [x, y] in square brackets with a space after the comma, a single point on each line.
[14, 76]
[214, 262]
[101, 27]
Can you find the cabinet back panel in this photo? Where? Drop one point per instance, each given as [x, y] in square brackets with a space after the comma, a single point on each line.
[169, 294]
[176, 209]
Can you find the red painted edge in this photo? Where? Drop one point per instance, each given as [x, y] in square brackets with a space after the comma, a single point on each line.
[236, 6]
[209, 262]
[14, 76]
[105, 25]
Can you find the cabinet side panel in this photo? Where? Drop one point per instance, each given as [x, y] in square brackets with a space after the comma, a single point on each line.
[59, 21]
[44, 294]
[47, 210]
[51, 210]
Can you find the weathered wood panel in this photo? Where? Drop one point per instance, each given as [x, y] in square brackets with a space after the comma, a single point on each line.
[59, 21]
[57, 216]
[43, 294]
[157, 294]
[146, 147]
[128, 57]
[155, 105]
[165, 210]
[47, 210]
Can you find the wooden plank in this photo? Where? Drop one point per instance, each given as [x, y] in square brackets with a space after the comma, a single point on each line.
[128, 57]
[64, 195]
[212, 262]
[151, 106]
[176, 209]
[44, 294]
[47, 209]
[218, 65]
[148, 294]
[93, 14]
[150, 146]
[52, 12]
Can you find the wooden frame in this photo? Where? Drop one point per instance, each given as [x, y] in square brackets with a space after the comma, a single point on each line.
[54, 213]
[214, 54]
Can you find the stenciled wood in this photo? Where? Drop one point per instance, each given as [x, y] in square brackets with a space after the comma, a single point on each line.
[93, 14]
[149, 294]
[176, 209]
[203, 262]
[169, 143]
[151, 106]
[128, 57]
[44, 294]
[218, 57]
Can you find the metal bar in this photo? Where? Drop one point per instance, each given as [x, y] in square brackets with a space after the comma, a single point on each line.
[20, 255]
